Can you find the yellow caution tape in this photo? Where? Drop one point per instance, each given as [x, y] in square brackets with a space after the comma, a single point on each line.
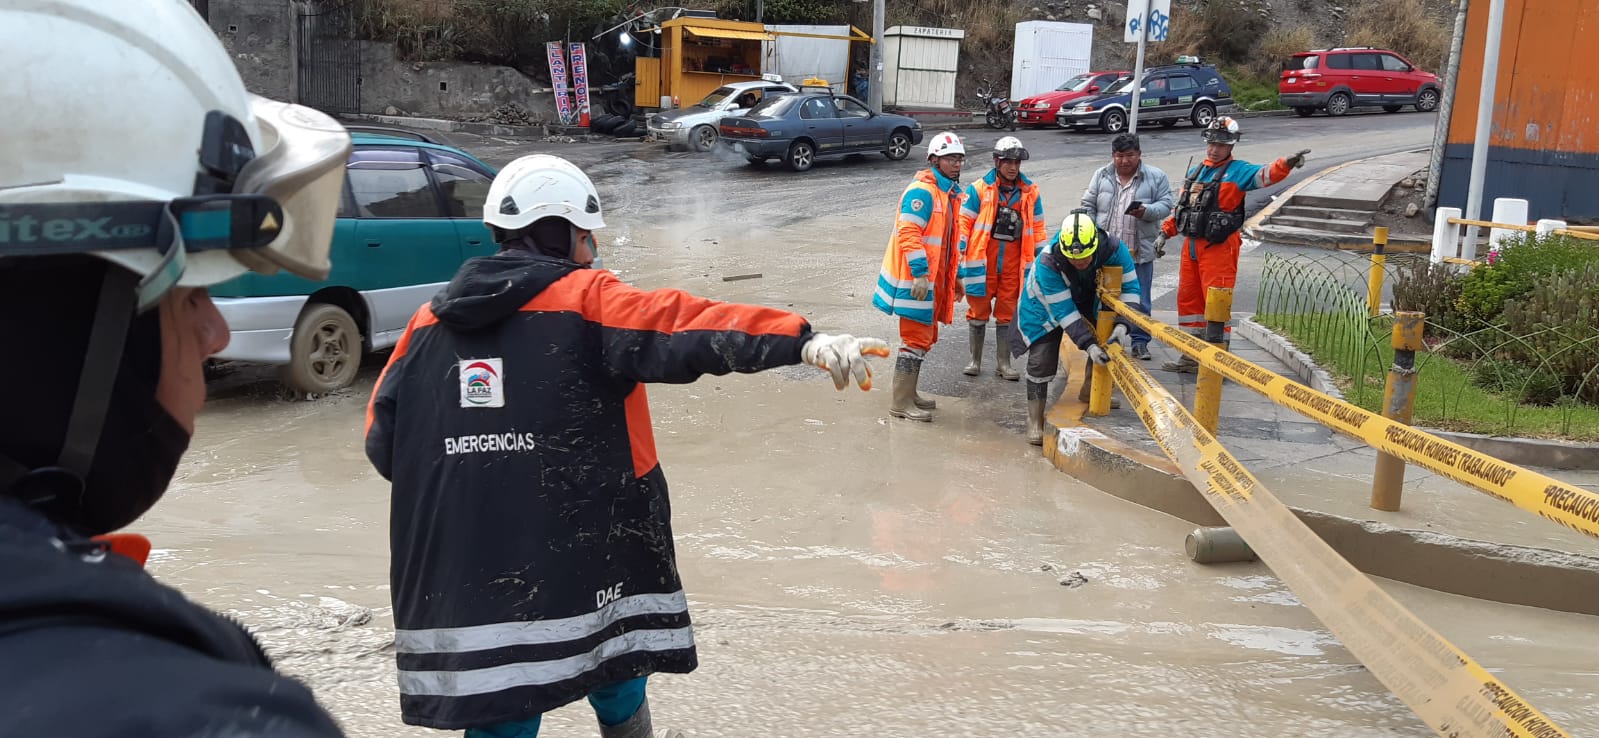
[1550, 498]
[1451, 693]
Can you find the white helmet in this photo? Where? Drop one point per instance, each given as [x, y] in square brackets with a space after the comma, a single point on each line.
[945, 144]
[542, 186]
[1010, 147]
[1222, 130]
[130, 132]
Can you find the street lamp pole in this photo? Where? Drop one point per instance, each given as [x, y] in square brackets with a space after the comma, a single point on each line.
[874, 90]
[1485, 114]
[1138, 68]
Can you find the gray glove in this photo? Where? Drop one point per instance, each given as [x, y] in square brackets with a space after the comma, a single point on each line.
[920, 287]
[1160, 245]
[1119, 337]
[1297, 160]
[1098, 355]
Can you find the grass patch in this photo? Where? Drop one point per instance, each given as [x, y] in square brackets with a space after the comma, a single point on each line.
[1358, 352]
[1251, 92]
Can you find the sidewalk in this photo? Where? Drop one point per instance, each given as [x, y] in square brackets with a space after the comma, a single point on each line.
[1445, 536]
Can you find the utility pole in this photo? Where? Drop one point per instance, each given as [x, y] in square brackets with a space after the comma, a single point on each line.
[1138, 68]
[874, 91]
[1485, 112]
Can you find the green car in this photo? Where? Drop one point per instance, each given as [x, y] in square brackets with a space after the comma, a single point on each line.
[410, 213]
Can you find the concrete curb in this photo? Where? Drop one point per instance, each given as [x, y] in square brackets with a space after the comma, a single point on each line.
[1538, 452]
[1261, 114]
[1305, 367]
[1529, 451]
[1517, 575]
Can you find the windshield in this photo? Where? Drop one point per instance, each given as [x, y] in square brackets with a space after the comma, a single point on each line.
[1076, 84]
[721, 93]
[1122, 85]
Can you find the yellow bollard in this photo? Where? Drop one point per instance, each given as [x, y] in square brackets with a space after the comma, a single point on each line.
[1110, 278]
[1207, 387]
[1398, 399]
[1379, 242]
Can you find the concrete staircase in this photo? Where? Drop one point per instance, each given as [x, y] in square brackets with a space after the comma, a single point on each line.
[1338, 210]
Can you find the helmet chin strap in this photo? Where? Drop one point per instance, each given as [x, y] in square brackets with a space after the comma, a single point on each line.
[113, 315]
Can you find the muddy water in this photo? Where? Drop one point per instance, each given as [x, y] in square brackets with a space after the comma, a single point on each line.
[848, 575]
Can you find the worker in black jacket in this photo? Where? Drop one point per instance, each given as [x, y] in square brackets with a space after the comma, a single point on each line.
[530, 528]
[135, 169]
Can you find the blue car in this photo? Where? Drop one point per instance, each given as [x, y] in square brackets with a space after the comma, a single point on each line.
[411, 212]
[1173, 93]
[800, 128]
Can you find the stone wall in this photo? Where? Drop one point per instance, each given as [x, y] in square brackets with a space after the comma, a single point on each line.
[444, 89]
[261, 36]
[257, 33]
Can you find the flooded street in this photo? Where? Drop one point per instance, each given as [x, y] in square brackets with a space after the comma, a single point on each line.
[848, 575]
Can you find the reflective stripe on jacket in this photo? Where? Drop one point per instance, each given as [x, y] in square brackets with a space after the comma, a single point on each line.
[923, 230]
[977, 228]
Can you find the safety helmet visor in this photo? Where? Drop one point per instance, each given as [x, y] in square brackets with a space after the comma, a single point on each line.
[1219, 135]
[302, 169]
[1014, 153]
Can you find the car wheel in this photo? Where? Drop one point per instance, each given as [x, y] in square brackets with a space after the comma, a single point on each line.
[1304, 112]
[1113, 121]
[899, 146]
[1203, 114]
[1391, 108]
[324, 351]
[801, 156]
[1168, 123]
[1338, 104]
[1427, 101]
[702, 138]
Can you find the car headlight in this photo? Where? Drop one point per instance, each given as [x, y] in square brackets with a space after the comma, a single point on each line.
[1083, 109]
[671, 125]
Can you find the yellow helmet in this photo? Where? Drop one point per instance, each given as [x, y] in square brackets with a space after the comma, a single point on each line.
[1079, 237]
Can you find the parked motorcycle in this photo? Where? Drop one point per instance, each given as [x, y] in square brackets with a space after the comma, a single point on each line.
[1000, 114]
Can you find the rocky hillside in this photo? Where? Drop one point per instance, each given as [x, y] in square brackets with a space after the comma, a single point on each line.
[1248, 38]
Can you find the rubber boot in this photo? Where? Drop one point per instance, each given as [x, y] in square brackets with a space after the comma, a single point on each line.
[1088, 386]
[1037, 393]
[975, 342]
[1183, 365]
[1001, 354]
[907, 370]
[638, 726]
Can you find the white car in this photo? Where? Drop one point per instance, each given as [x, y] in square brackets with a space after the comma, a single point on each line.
[695, 126]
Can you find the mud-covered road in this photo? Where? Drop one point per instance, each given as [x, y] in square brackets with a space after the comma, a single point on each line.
[849, 576]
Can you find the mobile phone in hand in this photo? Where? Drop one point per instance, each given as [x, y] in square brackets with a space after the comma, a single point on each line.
[1130, 208]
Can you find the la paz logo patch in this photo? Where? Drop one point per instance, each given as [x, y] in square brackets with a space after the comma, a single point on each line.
[482, 383]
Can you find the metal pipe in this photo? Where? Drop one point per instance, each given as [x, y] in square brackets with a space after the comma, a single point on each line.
[1217, 546]
[1398, 401]
[1446, 107]
[1207, 388]
[1379, 242]
[1485, 113]
[1110, 278]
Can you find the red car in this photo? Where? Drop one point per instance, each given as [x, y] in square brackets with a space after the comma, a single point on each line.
[1040, 110]
[1336, 80]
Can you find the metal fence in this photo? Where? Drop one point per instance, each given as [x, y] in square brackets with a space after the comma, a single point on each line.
[329, 57]
[1475, 376]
